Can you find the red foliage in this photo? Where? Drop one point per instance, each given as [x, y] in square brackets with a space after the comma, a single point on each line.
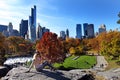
[50, 48]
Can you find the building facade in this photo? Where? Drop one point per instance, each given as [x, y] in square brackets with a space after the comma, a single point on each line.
[3, 28]
[78, 31]
[85, 29]
[102, 28]
[23, 28]
[40, 31]
[63, 35]
[32, 24]
[90, 31]
[67, 33]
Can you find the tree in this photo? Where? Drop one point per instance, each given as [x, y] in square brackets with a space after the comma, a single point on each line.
[50, 48]
[110, 46]
[119, 19]
[2, 49]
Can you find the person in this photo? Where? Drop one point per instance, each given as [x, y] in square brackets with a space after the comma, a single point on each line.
[39, 66]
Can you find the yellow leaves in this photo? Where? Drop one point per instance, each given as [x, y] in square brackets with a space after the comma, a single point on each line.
[72, 50]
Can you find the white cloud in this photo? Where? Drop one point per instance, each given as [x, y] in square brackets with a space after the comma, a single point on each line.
[15, 10]
[11, 11]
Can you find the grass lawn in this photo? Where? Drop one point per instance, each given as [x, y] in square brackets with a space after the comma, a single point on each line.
[83, 62]
[111, 63]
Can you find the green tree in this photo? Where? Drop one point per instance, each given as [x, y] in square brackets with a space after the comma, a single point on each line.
[119, 19]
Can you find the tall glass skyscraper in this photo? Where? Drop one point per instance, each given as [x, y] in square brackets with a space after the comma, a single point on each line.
[23, 28]
[67, 33]
[91, 31]
[78, 31]
[85, 26]
[32, 24]
[62, 34]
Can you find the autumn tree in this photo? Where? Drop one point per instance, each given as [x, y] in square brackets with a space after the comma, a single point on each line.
[50, 48]
[2, 49]
[111, 45]
[19, 46]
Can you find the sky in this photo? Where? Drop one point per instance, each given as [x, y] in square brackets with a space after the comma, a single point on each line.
[59, 15]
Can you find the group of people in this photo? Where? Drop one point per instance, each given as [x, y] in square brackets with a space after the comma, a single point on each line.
[39, 66]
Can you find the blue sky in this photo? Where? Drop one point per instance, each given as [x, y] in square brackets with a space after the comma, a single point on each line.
[59, 15]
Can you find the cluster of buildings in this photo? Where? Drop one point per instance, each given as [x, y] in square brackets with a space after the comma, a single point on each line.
[28, 29]
[88, 31]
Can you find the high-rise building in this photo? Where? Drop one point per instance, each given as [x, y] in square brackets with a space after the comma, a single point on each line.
[90, 31]
[15, 33]
[44, 30]
[85, 29]
[10, 29]
[67, 33]
[23, 28]
[3, 28]
[102, 28]
[40, 31]
[32, 24]
[78, 31]
[62, 34]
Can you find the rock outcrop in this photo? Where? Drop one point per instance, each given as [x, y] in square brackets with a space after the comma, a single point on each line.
[5, 69]
[20, 73]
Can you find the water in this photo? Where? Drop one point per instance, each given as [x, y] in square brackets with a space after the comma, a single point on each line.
[17, 60]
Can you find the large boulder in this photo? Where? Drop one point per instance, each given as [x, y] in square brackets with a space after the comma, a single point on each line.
[5, 69]
[113, 74]
[20, 73]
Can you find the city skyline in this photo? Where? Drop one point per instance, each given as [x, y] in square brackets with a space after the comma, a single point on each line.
[61, 15]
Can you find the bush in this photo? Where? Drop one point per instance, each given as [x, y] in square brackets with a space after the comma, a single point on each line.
[118, 63]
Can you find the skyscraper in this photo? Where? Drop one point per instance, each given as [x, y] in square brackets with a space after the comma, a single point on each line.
[85, 28]
[23, 28]
[32, 24]
[10, 29]
[102, 28]
[40, 31]
[67, 33]
[78, 31]
[3, 28]
[90, 31]
[62, 34]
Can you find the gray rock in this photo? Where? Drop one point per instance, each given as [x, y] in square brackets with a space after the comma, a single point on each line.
[113, 74]
[19, 73]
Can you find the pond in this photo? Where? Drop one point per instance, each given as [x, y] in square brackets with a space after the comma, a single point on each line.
[17, 60]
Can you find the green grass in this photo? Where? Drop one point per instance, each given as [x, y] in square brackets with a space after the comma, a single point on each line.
[83, 62]
[111, 63]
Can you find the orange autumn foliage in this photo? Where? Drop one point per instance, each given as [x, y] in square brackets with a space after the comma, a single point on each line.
[50, 48]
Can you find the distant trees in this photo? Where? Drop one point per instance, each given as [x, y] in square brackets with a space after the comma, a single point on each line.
[50, 48]
[110, 45]
[2, 49]
[19, 46]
